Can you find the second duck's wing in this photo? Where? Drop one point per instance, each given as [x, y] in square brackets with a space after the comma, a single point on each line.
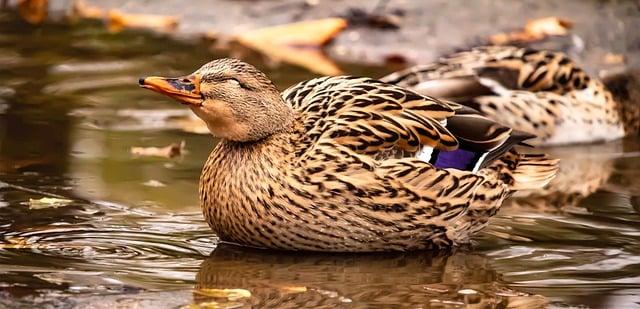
[494, 69]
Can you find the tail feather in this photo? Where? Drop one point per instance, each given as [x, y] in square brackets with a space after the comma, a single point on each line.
[532, 171]
[523, 171]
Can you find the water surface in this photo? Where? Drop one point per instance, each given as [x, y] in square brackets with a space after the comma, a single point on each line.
[132, 233]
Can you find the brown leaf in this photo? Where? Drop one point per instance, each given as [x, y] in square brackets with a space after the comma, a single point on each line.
[534, 30]
[48, 202]
[312, 59]
[230, 294]
[33, 11]
[169, 151]
[548, 26]
[117, 20]
[83, 10]
[611, 58]
[305, 33]
[297, 43]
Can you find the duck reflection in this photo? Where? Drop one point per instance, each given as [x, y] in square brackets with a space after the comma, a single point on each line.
[584, 169]
[243, 277]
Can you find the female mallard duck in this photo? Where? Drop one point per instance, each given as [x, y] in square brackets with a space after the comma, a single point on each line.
[539, 92]
[346, 163]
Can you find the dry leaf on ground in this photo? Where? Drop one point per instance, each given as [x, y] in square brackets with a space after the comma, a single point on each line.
[117, 20]
[83, 10]
[297, 43]
[312, 59]
[305, 33]
[48, 202]
[169, 151]
[230, 294]
[33, 11]
[548, 26]
[534, 30]
[611, 58]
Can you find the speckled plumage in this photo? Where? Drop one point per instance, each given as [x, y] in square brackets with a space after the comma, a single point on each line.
[540, 92]
[342, 175]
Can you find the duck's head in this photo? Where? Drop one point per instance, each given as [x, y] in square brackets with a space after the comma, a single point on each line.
[236, 100]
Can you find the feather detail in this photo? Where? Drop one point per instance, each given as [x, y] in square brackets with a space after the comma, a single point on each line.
[539, 92]
[349, 170]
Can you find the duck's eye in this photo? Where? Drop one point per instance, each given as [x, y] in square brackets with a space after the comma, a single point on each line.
[233, 82]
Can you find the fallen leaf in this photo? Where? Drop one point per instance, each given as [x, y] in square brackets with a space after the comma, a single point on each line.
[294, 289]
[534, 30]
[169, 151]
[33, 11]
[230, 294]
[297, 43]
[117, 20]
[548, 26]
[48, 202]
[611, 58]
[305, 33]
[83, 10]
[312, 59]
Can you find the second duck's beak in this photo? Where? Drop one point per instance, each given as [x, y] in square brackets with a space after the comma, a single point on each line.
[185, 90]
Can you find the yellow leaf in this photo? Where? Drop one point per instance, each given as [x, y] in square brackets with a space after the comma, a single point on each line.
[312, 59]
[230, 294]
[304, 33]
[33, 11]
[294, 289]
[610, 58]
[48, 202]
[297, 43]
[83, 10]
[548, 26]
[534, 30]
[117, 20]
[168, 151]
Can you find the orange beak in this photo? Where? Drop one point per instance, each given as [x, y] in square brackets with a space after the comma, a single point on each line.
[185, 90]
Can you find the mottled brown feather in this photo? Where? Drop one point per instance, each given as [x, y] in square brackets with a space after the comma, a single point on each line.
[539, 92]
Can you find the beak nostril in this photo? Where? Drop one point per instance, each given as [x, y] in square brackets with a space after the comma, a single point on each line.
[141, 81]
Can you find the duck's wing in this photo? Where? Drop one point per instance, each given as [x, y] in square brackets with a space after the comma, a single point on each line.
[376, 119]
[350, 123]
[494, 69]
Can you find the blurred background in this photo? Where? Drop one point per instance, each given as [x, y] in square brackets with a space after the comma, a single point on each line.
[98, 178]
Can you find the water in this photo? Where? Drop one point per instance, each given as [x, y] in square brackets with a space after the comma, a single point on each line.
[132, 234]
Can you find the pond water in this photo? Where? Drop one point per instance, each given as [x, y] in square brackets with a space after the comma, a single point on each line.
[131, 234]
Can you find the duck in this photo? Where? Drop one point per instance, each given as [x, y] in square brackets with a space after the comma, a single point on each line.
[540, 92]
[346, 163]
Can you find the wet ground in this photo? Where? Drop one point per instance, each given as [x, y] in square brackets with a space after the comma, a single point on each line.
[132, 234]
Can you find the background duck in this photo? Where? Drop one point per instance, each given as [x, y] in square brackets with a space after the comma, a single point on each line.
[540, 92]
[347, 163]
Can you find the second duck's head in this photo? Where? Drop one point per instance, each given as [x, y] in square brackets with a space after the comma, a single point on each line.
[235, 100]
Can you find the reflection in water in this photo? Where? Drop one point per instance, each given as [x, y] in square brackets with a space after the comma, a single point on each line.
[583, 170]
[70, 110]
[292, 280]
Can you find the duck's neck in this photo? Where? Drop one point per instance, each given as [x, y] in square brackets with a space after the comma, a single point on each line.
[239, 177]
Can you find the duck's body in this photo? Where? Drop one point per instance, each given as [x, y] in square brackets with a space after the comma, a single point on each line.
[359, 165]
[539, 92]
